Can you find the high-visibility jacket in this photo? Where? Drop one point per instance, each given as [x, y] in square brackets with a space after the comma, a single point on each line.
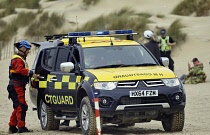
[17, 72]
[164, 46]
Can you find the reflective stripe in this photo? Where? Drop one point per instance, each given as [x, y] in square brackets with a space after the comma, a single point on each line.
[72, 85]
[49, 77]
[42, 84]
[69, 81]
[86, 78]
[78, 79]
[12, 71]
[65, 78]
[58, 85]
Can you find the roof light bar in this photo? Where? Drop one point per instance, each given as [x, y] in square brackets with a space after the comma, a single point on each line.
[124, 31]
[101, 33]
[75, 34]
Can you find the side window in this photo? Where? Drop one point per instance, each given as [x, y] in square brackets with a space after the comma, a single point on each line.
[62, 56]
[48, 58]
[76, 55]
[38, 66]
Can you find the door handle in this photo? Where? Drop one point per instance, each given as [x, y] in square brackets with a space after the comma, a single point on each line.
[40, 77]
[53, 79]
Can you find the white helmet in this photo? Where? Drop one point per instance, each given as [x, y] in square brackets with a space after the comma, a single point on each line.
[148, 34]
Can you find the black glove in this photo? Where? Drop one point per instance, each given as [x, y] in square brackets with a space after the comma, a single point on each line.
[30, 73]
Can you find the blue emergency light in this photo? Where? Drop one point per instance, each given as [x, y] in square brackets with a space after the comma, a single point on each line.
[100, 33]
[79, 34]
[124, 31]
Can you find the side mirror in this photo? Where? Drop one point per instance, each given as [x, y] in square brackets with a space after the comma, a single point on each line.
[164, 61]
[66, 67]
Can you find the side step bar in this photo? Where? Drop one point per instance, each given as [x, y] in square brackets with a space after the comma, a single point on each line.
[34, 109]
[65, 117]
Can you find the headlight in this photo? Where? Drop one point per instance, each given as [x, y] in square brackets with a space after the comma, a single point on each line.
[171, 82]
[105, 85]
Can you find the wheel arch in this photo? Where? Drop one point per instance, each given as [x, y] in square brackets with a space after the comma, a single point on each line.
[80, 95]
[38, 105]
[40, 97]
[85, 90]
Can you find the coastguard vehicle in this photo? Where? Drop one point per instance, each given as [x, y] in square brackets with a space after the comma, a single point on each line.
[97, 77]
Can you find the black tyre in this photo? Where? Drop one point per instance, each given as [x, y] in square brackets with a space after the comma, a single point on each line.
[174, 122]
[87, 117]
[47, 120]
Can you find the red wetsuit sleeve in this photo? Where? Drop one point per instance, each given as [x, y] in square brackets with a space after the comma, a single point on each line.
[19, 67]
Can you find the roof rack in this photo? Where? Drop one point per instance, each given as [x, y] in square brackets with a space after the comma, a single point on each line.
[56, 36]
[103, 33]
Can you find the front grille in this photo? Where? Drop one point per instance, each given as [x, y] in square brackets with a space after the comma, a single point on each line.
[128, 84]
[143, 83]
[153, 83]
[142, 100]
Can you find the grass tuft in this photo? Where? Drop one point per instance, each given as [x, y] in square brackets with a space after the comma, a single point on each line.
[187, 7]
[46, 25]
[9, 31]
[7, 11]
[2, 24]
[160, 16]
[176, 32]
[122, 19]
[30, 4]
[24, 18]
[90, 2]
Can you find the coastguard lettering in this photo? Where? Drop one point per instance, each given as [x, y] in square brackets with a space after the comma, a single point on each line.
[130, 75]
[160, 74]
[155, 74]
[55, 99]
[137, 74]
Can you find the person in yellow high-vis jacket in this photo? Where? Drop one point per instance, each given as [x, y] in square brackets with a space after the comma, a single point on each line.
[165, 44]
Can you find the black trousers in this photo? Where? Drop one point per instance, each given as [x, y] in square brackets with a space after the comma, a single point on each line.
[168, 55]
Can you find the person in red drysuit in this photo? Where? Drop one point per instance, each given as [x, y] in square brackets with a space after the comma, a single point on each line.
[19, 74]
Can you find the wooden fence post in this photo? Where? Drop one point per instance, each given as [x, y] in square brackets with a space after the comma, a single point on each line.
[14, 46]
[0, 49]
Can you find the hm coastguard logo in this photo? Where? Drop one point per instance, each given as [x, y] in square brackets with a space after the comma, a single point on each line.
[54, 99]
[137, 74]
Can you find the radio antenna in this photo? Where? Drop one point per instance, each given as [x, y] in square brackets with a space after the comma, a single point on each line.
[77, 23]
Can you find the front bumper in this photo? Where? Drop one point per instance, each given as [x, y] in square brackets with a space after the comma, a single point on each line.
[121, 103]
[142, 109]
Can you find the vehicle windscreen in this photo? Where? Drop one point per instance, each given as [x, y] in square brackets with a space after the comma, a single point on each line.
[117, 56]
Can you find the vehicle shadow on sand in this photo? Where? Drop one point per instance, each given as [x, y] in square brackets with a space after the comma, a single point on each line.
[115, 130]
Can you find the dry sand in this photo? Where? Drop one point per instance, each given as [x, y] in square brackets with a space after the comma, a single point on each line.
[197, 110]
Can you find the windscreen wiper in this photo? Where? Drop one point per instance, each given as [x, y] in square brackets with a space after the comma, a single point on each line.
[146, 64]
[111, 66]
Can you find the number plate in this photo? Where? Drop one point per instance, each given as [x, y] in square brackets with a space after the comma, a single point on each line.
[144, 93]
